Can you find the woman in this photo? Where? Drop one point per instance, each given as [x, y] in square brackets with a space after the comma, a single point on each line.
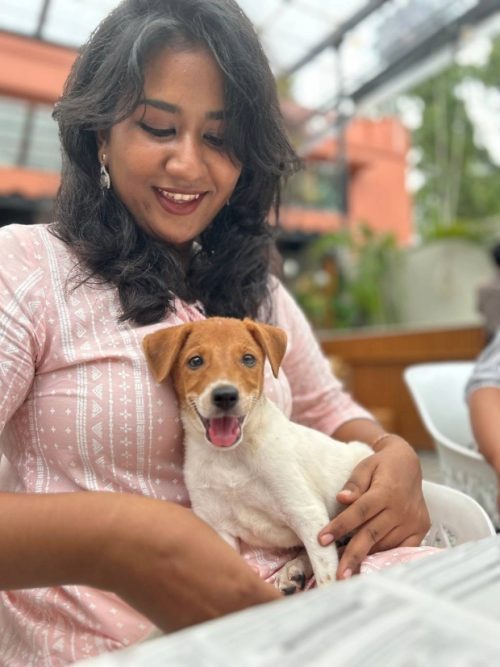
[173, 156]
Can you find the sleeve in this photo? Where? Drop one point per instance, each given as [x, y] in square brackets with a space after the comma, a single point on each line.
[486, 372]
[319, 400]
[21, 302]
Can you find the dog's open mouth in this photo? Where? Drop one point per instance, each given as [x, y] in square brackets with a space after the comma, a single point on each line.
[223, 431]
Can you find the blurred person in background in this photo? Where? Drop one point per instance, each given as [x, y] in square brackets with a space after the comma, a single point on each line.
[483, 397]
[488, 296]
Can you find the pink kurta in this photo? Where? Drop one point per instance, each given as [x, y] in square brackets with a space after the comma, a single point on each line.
[79, 410]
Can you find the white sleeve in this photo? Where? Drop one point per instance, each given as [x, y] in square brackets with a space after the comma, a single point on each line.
[486, 372]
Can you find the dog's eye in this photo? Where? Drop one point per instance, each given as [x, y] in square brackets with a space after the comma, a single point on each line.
[195, 362]
[248, 360]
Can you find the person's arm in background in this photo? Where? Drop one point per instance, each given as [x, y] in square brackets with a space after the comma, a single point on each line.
[484, 410]
[384, 493]
[483, 397]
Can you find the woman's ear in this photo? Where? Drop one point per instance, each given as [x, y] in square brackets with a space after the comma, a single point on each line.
[102, 142]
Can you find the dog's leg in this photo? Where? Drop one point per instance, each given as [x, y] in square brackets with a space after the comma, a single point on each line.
[307, 525]
[292, 577]
[324, 561]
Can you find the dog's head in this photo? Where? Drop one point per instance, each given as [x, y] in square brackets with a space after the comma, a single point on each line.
[217, 368]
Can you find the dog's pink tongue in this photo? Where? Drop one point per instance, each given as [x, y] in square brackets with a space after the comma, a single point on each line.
[223, 431]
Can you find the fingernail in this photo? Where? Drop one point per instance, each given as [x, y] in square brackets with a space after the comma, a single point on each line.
[326, 539]
[347, 574]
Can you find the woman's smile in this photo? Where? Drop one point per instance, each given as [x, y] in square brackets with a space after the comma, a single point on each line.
[178, 203]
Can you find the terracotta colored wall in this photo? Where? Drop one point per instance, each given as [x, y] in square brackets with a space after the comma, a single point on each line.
[32, 70]
[377, 194]
[35, 71]
[28, 183]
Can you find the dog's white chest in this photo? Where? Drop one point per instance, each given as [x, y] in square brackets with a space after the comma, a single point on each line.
[235, 501]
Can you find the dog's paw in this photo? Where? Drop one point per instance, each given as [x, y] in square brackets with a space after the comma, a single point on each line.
[292, 577]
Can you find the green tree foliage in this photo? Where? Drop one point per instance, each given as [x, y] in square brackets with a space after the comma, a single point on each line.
[348, 283]
[462, 187]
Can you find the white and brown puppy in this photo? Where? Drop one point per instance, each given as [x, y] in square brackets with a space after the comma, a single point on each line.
[250, 472]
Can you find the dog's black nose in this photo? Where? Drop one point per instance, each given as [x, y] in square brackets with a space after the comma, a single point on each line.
[225, 397]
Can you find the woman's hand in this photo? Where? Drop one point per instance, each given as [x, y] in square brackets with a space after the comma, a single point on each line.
[386, 508]
[169, 565]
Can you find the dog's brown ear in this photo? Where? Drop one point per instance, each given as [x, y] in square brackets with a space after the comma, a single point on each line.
[271, 339]
[161, 349]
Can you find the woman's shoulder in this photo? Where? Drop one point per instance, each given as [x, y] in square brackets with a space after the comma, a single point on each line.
[22, 238]
[28, 242]
[30, 253]
[283, 303]
[16, 231]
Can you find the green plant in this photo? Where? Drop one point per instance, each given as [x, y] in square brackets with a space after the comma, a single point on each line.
[348, 279]
[459, 194]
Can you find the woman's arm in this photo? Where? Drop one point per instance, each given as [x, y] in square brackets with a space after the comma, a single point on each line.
[159, 557]
[386, 507]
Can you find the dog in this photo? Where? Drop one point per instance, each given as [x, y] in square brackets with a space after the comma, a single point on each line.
[250, 472]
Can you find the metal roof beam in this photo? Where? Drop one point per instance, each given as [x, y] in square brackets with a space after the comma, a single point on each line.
[435, 42]
[335, 38]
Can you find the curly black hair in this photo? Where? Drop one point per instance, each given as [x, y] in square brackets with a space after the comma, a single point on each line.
[229, 268]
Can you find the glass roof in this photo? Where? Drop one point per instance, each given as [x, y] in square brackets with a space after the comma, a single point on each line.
[289, 29]
[374, 39]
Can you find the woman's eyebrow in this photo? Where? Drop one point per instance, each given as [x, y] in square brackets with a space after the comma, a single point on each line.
[173, 108]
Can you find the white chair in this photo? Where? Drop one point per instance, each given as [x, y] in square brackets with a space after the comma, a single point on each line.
[455, 517]
[438, 390]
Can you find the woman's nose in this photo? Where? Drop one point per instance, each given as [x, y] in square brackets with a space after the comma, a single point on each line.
[187, 160]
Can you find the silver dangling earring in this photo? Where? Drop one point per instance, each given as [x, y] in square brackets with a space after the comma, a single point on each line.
[104, 178]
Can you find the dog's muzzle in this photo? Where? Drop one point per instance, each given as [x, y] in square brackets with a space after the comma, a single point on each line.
[224, 430]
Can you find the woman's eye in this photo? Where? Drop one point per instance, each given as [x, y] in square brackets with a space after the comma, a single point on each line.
[217, 142]
[195, 362]
[248, 360]
[156, 132]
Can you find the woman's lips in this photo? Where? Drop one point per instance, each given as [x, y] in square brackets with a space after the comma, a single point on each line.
[179, 206]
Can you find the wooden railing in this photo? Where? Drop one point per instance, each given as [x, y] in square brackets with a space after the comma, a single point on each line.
[371, 365]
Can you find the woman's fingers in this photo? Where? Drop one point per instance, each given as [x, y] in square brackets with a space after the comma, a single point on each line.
[361, 504]
[364, 541]
[352, 518]
[378, 534]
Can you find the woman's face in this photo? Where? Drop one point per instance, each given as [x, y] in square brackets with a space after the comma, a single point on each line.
[167, 161]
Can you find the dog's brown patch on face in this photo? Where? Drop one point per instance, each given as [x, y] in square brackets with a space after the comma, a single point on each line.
[229, 363]
[217, 368]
